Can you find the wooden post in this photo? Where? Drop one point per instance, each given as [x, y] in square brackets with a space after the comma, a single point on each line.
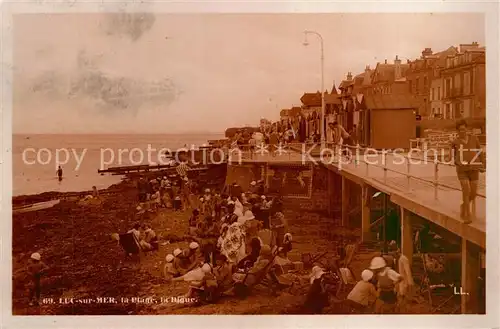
[384, 223]
[471, 263]
[436, 179]
[406, 235]
[345, 202]
[330, 192]
[365, 213]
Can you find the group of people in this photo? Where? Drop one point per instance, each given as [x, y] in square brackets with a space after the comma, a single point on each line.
[277, 134]
[145, 236]
[386, 286]
[174, 192]
[233, 236]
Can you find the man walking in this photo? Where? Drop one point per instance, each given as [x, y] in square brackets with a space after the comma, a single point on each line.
[469, 162]
[339, 132]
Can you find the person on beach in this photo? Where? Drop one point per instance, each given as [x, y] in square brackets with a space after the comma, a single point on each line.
[178, 263]
[35, 270]
[406, 285]
[150, 241]
[193, 257]
[59, 173]
[230, 217]
[135, 231]
[364, 293]
[186, 192]
[169, 271]
[193, 222]
[469, 162]
[278, 228]
[208, 231]
[387, 279]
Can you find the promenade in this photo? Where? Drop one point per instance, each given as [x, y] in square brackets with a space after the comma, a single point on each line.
[411, 183]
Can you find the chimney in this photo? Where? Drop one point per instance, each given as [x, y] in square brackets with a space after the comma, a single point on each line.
[367, 77]
[465, 47]
[426, 52]
[397, 68]
[349, 76]
[385, 61]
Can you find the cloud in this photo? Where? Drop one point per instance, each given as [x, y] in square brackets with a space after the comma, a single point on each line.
[131, 25]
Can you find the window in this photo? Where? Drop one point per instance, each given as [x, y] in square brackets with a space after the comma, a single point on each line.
[425, 83]
[456, 84]
[432, 95]
[467, 83]
[439, 93]
[416, 85]
[447, 91]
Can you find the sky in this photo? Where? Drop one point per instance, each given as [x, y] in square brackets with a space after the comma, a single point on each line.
[176, 73]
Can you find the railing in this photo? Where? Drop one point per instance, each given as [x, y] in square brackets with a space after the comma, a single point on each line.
[341, 150]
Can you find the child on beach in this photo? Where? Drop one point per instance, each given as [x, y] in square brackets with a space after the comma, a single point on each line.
[35, 270]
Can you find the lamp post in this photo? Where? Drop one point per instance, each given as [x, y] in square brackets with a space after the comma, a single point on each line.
[323, 139]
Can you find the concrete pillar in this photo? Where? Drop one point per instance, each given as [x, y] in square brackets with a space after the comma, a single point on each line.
[365, 213]
[406, 235]
[345, 202]
[471, 263]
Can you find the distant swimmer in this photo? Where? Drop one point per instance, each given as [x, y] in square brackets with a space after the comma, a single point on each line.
[59, 173]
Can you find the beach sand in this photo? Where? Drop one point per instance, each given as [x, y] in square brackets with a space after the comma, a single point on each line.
[74, 240]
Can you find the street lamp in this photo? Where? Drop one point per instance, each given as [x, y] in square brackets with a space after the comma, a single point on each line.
[306, 43]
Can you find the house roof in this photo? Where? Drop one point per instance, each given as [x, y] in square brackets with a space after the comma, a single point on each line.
[345, 84]
[332, 99]
[284, 112]
[387, 72]
[391, 102]
[311, 99]
[334, 90]
[294, 111]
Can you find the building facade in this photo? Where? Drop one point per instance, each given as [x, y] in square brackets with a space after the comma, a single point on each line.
[420, 74]
[464, 83]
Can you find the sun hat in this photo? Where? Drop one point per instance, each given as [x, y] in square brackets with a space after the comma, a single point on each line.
[253, 183]
[287, 237]
[366, 275]
[194, 245]
[263, 197]
[164, 177]
[169, 258]
[238, 213]
[36, 256]
[316, 273]
[377, 263]
[177, 252]
[206, 268]
[207, 190]
[201, 199]
[249, 215]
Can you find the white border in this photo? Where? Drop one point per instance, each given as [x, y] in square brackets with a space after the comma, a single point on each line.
[459, 321]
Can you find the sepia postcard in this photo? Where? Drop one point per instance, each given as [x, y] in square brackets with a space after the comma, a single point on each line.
[281, 158]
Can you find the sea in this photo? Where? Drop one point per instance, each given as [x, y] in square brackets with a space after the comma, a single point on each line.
[37, 157]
